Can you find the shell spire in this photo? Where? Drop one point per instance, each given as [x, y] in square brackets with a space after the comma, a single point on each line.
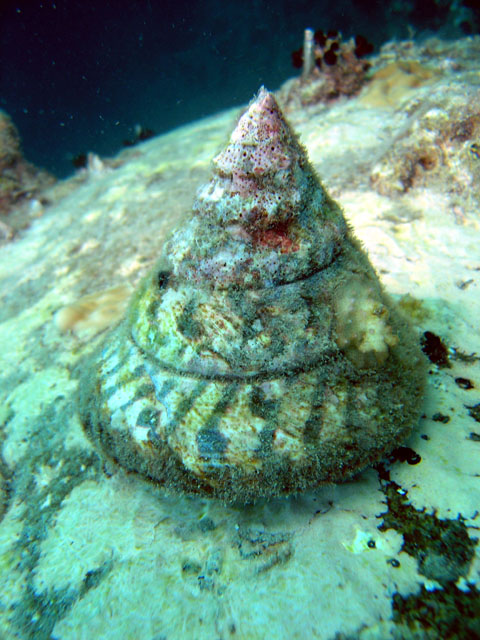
[264, 217]
[266, 358]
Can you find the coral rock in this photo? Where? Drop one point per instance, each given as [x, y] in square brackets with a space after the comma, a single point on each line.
[19, 180]
[331, 68]
[261, 356]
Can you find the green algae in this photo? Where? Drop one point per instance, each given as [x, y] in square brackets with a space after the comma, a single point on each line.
[35, 614]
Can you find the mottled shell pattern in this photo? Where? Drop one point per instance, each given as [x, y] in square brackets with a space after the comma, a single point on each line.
[261, 356]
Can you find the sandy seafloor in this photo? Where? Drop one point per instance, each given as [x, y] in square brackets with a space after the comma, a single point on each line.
[89, 551]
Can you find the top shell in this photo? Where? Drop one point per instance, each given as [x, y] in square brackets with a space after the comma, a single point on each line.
[265, 358]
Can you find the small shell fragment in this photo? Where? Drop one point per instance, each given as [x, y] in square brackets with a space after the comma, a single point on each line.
[94, 312]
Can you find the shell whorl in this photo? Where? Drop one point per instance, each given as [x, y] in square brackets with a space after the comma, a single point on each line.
[264, 218]
[266, 358]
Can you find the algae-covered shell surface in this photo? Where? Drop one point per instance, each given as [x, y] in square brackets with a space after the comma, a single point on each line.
[260, 357]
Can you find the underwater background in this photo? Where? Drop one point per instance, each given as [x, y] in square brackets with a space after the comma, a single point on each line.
[80, 76]
[116, 123]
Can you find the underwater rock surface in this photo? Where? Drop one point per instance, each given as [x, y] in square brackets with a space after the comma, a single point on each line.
[90, 550]
[261, 356]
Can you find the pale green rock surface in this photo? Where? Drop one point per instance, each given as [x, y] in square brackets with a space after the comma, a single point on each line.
[88, 551]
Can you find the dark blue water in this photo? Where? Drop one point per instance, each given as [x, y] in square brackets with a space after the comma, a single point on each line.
[78, 76]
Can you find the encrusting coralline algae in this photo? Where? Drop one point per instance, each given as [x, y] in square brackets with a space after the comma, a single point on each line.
[261, 356]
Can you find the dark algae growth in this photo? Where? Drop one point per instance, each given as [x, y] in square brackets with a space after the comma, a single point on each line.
[444, 552]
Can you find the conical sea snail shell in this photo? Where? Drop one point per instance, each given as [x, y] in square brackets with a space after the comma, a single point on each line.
[266, 359]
